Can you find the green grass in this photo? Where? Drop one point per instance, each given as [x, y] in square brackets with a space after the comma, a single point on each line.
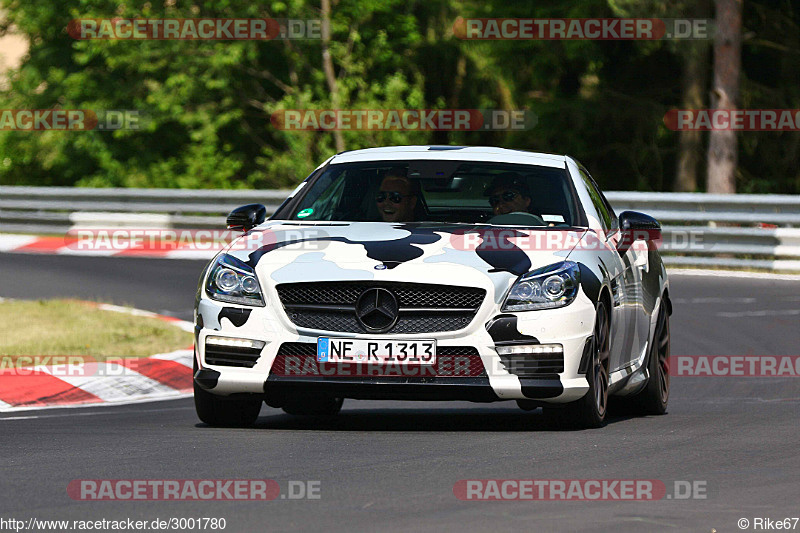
[71, 327]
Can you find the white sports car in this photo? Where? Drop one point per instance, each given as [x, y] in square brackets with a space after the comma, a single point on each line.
[436, 273]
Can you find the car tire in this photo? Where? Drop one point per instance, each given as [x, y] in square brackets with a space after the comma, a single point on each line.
[313, 406]
[653, 399]
[223, 412]
[590, 411]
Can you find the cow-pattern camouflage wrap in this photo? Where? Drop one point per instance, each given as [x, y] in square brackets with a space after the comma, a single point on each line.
[295, 251]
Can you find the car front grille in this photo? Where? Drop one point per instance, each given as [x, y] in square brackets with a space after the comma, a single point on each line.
[300, 359]
[423, 308]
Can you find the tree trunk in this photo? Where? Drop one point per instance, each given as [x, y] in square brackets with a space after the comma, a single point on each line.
[327, 66]
[695, 57]
[722, 146]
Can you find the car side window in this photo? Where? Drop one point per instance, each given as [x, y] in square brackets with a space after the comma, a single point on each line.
[331, 185]
[607, 216]
[614, 220]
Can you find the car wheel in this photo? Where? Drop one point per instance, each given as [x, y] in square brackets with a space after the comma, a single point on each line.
[313, 406]
[590, 411]
[219, 411]
[652, 400]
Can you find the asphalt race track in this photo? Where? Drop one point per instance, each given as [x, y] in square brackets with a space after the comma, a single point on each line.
[392, 466]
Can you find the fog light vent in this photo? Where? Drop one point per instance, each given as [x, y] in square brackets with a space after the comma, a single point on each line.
[532, 360]
[232, 351]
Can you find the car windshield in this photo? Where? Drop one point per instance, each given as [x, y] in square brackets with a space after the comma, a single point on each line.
[438, 191]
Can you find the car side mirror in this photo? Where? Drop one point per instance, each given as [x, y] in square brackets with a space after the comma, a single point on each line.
[247, 217]
[635, 226]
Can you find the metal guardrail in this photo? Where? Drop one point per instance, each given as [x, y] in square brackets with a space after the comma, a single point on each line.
[721, 230]
[57, 209]
[682, 208]
[702, 230]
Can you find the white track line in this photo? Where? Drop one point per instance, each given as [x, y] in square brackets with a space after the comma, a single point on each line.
[182, 324]
[731, 274]
[12, 242]
[713, 300]
[764, 312]
[190, 254]
[91, 253]
[84, 405]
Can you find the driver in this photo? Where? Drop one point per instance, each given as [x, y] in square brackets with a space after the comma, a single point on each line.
[508, 193]
[396, 197]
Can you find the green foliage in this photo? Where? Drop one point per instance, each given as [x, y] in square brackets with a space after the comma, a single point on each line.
[208, 103]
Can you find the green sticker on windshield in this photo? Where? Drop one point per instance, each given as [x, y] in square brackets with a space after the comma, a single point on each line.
[305, 212]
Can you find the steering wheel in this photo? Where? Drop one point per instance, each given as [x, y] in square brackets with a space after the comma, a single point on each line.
[517, 218]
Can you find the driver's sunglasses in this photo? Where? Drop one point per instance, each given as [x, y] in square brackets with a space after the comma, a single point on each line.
[505, 197]
[394, 197]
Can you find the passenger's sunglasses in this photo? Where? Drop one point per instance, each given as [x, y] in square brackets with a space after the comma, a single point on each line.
[505, 197]
[394, 197]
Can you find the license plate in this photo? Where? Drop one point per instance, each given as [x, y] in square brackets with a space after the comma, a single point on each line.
[417, 352]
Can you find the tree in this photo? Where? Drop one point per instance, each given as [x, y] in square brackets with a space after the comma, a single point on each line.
[208, 103]
[694, 76]
[327, 65]
[722, 145]
[694, 87]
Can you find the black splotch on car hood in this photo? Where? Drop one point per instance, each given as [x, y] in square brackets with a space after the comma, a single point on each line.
[395, 244]
[505, 256]
[390, 251]
[503, 329]
[237, 316]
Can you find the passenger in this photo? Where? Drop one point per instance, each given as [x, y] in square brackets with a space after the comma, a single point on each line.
[396, 197]
[508, 193]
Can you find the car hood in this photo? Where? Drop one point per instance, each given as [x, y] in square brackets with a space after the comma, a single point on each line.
[457, 254]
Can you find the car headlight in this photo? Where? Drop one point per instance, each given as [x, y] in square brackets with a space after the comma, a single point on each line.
[230, 280]
[545, 288]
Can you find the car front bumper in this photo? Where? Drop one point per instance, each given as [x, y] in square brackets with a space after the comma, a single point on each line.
[570, 326]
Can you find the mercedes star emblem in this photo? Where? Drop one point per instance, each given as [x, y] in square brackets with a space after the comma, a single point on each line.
[377, 310]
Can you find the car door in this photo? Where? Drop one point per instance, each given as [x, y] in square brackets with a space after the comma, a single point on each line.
[626, 284]
[637, 256]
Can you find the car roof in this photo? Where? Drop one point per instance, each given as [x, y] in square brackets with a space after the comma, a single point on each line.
[452, 153]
